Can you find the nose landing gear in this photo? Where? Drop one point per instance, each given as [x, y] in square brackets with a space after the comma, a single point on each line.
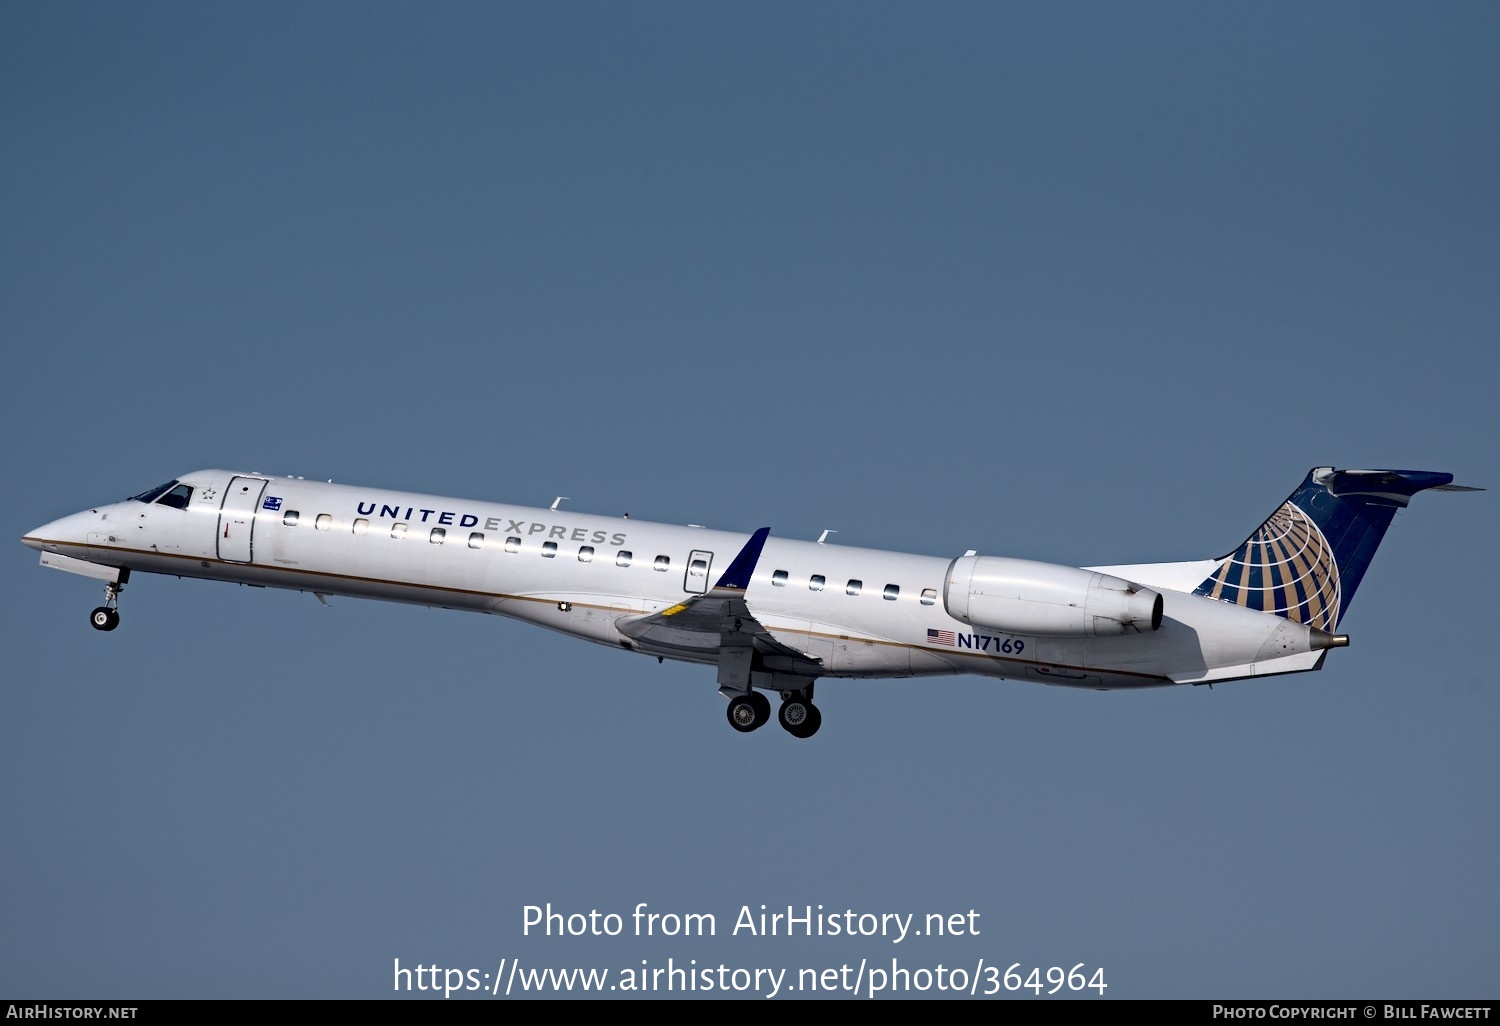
[107, 616]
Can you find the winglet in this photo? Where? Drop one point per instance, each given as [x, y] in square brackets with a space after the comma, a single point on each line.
[737, 577]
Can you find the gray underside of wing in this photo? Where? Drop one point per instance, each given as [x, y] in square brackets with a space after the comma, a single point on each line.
[701, 626]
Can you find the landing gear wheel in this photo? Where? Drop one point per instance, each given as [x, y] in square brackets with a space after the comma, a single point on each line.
[799, 717]
[748, 711]
[107, 616]
[813, 723]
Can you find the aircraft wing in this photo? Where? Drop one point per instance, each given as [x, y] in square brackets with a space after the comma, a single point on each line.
[703, 625]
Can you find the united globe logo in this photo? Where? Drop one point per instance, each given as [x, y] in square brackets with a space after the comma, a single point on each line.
[1286, 567]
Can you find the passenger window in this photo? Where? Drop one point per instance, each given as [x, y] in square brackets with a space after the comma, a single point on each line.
[779, 579]
[289, 518]
[324, 521]
[929, 596]
[697, 568]
[852, 588]
[512, 544]
[816, 582]
[437, 536]
[549, 550]
[476, 540]
[662, 563]
[891, 591]
[622, 558]
[361, 526]
[586, 554]
[398, 531]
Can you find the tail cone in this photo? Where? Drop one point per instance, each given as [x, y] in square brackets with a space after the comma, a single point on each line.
[1320, 640]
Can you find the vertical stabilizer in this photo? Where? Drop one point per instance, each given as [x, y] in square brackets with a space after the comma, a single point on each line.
[1307, 559]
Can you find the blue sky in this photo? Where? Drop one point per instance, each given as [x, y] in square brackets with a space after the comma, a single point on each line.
[1079, 282]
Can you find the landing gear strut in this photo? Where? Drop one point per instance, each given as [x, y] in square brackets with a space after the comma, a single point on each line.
[107, 616]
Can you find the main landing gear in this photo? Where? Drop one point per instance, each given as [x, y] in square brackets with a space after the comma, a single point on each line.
[751, 710]
[107, 616]
[799, 717]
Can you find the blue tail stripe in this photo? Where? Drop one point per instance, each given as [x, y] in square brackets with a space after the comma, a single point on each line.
[1308, 558]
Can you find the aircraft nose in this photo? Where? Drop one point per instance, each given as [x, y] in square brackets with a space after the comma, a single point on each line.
[71, 529]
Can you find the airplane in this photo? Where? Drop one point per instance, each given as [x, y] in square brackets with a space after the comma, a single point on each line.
[770, 614]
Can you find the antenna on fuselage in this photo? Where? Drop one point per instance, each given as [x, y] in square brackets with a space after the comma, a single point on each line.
[555, 501]
[824, 536]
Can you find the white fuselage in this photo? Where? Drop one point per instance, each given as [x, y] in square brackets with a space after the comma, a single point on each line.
[857, 612]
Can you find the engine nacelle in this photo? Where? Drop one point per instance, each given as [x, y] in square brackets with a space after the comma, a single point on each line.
[1022, 596]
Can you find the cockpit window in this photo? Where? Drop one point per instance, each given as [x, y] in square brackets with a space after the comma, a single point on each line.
[150, 494]
[177, 497]
[170, 494]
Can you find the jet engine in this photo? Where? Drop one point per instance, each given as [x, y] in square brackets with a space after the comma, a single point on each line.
[1022, 596]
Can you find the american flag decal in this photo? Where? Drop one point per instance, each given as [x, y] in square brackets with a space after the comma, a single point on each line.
[939, 637]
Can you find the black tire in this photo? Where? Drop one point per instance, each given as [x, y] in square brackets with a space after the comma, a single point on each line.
[813, 722]
[744, 713]
[799, 717]
[793, 714]
[104, 619]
